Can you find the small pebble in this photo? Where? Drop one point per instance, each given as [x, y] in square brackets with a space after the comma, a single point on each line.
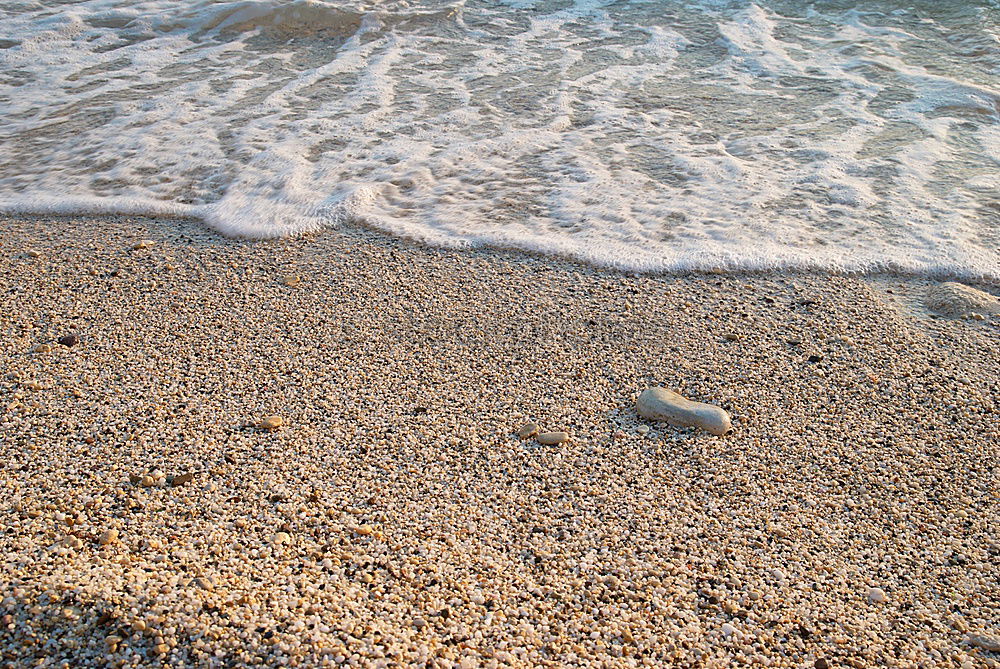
[291, 280]
[990, 644]
[877, 596]
[527, 430]
[272, 423]
[33, 253]
[281, 538]
[552, 438]
[144, 244]
[70, 340]
[41, 348]
[108, 537]
[147, 481]
[182, 479]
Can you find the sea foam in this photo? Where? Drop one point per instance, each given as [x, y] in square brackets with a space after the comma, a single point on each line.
[639, 135]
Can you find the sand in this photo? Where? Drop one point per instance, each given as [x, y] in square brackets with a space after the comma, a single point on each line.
[395, 519]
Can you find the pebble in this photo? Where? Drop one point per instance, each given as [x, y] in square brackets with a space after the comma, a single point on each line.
[41, 348]
[991, 644]
[364, 530]
[665, 405]
[272, 423]
[877, 596]
[147, 481]
[70, 340]
[281, 538]
[203, 583]
[144, 244]
[552, 438]
[108, 537]
[291, 280]
[527, 430]
[821, 663]
[727, 630]
[33, 253]
[182, 479]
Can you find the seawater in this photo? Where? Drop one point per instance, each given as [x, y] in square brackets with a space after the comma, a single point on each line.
[642, 135]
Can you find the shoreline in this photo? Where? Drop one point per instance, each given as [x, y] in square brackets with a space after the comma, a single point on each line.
[580, 258]
[863, 457]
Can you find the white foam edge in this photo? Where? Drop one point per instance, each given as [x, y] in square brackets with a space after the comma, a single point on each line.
[761, 257]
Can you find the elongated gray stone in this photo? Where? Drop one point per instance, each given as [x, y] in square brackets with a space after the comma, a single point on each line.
[666, 405]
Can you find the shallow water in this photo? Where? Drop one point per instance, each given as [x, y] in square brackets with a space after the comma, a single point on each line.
[640, 135]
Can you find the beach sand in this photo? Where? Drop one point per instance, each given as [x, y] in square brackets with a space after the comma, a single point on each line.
[394, 519]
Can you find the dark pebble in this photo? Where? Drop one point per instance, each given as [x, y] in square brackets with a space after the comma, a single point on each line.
[815, 358]
[821, 663]
[182, 479]
[70, 340]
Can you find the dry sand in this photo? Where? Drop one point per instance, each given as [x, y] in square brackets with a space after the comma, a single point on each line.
[394, 519]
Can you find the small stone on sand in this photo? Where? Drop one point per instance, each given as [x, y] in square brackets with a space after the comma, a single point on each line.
[877, 596]
[985, 642]
[552, 438]
[144, 244]
[70, 340]
[272, 423]
[42, 348]
[291, 280]
[665, 405]
[108, 537]
[182, 479]
[527, 430]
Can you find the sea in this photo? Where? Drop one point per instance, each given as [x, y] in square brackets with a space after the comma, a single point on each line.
[643, 135]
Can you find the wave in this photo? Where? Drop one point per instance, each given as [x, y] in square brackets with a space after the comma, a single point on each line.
[651, 135]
